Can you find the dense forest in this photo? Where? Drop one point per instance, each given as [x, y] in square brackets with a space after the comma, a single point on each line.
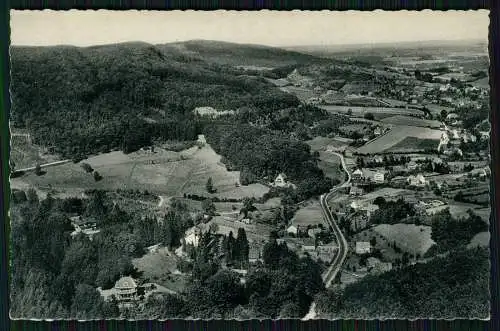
[103, 98]
[55, 274]
[51, 267]
[446, 287]
[261, 154]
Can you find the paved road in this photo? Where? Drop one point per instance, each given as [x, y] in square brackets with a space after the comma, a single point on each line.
[331, 273]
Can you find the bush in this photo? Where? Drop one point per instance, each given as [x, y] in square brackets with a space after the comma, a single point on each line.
[87, 167]
[97, 176]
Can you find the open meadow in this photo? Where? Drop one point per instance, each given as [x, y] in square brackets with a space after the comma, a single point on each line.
[165, 173]
[414, 239]
[310, 214]
[396, 135]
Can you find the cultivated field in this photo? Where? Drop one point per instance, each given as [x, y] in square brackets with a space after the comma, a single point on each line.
[413, 145]
[360, 111]
[409, 237]
[410, 120]
[164, 173]
[331, 166]
[395, 136]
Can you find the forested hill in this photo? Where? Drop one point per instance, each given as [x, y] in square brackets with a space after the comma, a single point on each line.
[86, 100]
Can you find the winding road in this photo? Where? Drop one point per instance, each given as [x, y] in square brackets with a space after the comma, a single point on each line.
[333, 270]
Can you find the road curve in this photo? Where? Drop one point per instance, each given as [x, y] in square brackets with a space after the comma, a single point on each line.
[333, 270]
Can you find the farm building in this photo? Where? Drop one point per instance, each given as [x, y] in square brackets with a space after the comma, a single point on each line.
[363, 247]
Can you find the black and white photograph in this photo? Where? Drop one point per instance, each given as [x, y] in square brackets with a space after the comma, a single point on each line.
[249, 165]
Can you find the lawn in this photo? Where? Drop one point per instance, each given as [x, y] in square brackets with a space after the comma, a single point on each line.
[481, 239]
[415, 239]
[311, 214]
[397, 135]
[164, 173]
[331, 166]
[321, 143]
[161, 268]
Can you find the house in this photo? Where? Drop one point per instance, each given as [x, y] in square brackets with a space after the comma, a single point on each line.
[418, 180]
[280, 180]
[355, 205]
[369, 209]
[357, 174]
[377, 131]
[485, 135]
[126, 289]
[412, 165]
[313, 232]
[292, 229]
[363, 247]
[356, 191]
[192, 236]
[451, 116]
[379, 177]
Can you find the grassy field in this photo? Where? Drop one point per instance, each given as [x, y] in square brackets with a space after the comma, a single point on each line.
[409, 237]
[413, 144]
[164, 173]
[161, 268]
[397, 135]
[321, 143]
[331, 166]
[410, 120]
[480, 239]
[309, 215]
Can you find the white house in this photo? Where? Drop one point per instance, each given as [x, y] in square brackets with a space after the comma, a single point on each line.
[292, 229]
[357, 174]
[280, 180]
[192, 236]
[412, 165]
[363, 247]
[379, 177]
[418, 180]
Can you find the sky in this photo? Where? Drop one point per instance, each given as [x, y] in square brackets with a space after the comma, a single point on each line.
[272, 28]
